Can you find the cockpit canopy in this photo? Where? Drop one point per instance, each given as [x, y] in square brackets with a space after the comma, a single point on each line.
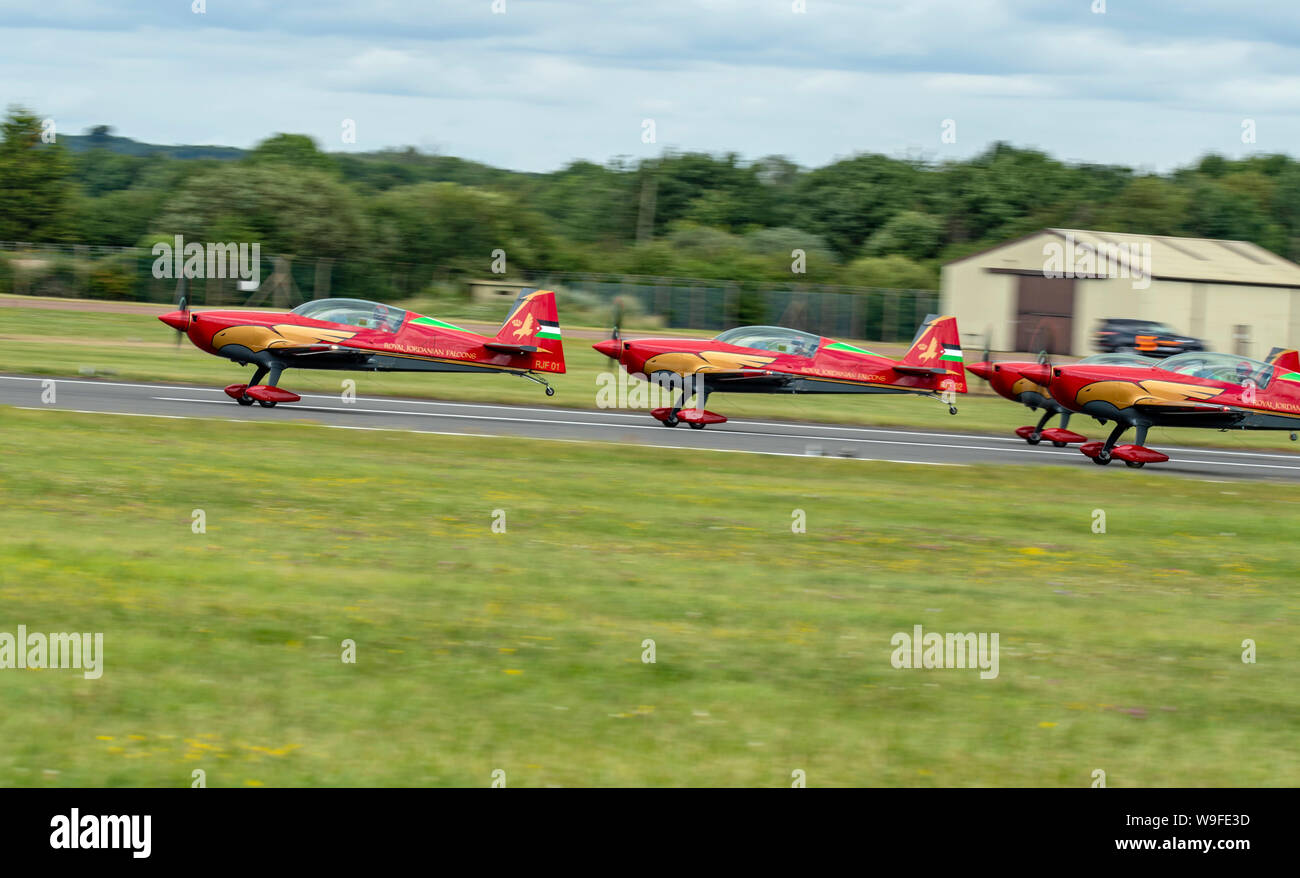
[1230, 368]
[1120, 358]
[354, 312]
[772, 338]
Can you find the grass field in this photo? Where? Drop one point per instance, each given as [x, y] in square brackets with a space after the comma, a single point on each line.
[522, 651]
[138, 348]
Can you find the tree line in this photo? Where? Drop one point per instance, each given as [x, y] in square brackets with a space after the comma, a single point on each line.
[866, 220]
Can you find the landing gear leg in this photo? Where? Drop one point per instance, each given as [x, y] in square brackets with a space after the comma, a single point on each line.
[700, 400]
[1103, 456]
[671, 420]
[1037, 436]
[1140, 439]
[1065, 424]
[258, 375]
[276, 369]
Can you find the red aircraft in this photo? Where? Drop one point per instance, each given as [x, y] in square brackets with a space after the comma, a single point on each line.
[353, 334]
[1008, 380]
[1195, 389]
[774, 359]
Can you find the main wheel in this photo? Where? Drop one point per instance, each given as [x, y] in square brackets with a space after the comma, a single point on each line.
[1102, 458]
[1033, 438]
[1059, 444]
[670, 421]
[245, 400]
[266, 403]
[695, 426]
[1135, 464]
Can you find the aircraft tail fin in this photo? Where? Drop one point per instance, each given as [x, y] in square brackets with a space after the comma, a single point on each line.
[936, 350]
[534, 324]
[1287, 360]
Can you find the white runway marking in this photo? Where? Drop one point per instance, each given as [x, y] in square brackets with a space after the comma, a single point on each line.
[30, 408]
[622, 421]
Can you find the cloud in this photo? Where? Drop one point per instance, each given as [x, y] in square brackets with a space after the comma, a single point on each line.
[1147, 83]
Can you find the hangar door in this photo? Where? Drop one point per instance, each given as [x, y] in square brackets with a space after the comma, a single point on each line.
[1044, 313]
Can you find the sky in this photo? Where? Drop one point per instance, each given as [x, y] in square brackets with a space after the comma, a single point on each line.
[1144, 83]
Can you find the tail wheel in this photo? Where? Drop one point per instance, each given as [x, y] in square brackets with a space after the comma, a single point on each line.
[550, 391]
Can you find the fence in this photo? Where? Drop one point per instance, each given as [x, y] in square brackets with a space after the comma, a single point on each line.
[126, 273]
[841, 312]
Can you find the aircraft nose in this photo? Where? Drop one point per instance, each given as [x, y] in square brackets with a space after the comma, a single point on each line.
[983, 370]
[1039, 374]
[609, 347]
[178, 320]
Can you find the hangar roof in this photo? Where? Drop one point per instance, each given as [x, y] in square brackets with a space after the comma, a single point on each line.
[1204, 260]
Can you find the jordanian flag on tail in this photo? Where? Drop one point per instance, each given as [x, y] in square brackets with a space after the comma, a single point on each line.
[551, 329]
[951, 352]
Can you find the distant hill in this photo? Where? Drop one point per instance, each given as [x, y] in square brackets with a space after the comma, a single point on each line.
[100, 138]
[380, 169]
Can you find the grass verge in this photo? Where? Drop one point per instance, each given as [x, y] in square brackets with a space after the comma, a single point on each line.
[522, 650]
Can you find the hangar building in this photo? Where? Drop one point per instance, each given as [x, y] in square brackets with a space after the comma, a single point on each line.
[1050, 289]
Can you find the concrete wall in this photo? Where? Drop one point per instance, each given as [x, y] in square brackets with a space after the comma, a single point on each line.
[980, 298]
[1094, 300]
[1270, 313]
[1207, 311]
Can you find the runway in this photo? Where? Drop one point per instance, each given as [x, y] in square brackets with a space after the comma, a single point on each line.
[896, 445]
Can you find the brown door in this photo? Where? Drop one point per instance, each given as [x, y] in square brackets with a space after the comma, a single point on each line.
[1044, 313]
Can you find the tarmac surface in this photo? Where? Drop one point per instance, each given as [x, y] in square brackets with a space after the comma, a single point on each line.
[897, 445]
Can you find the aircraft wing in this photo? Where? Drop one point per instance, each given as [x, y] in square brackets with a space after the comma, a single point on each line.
[305, 349]
[719, 379]
[1177, 409]
[736, 374]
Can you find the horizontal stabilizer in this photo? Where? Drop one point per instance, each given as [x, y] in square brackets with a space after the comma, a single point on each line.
[904, 369]
[506, 348]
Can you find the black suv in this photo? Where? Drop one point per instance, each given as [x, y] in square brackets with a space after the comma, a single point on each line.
[1147, 337]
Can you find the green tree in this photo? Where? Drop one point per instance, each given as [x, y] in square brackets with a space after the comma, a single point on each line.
[1148, 205]
[1216, 211]
[445, 224]
[288, 211]
[35, 192]
[99, 170]
[295, 150]
[846, 202]
[892, 272]
[910, 233]
[588, 202]
[119, 218]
